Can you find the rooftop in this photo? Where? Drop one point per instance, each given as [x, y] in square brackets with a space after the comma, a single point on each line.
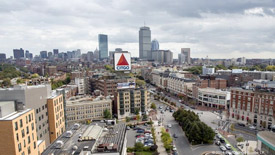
[86, 99]
[14, 115]
[267, 137]
[99, 140]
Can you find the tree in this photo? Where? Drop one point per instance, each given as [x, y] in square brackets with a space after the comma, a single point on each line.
[127, 119]
[137, 111]
[145, 117]
[6, 82]
[140, 82]
[139, 147]
[270, 68]
[34, 75]
[18, 81]
[240, 139]
[153, 106]
[195, 70]
[107, 114]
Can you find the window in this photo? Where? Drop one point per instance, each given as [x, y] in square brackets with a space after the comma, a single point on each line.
[21, 123]
[34, 145]
[24, 143]
[19, 147]
[16, 126]
[23, 133]
[32, 126]
[26, 119]
[27, 130]
[29, 117]
[29, 139]
[29, 150]
[17, 137]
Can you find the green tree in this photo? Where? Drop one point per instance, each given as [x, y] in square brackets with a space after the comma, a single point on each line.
[107, 114]
[140, 82]
[145, 117]
[139, 147]
[219, 67]
[127, 119]
[34, 75]
[6, 82]
[195, 70]
[18, 81]
[137, 111]
[153, 106]
[240, 139]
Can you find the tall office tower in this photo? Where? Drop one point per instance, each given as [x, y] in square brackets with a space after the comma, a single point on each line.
[103, 46]
[55, 51]
[77, 53]
[27, 54]
[30, 56]
[181, 58]
[18, 53]
[43, 54]
[155, 45]
[2, 56]
[186, 53]
[33, 97]
[145, 43]
[162, 56]
[90, 56]
[96, 54]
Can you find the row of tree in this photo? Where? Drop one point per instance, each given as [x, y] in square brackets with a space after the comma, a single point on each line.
[196, 131]
[166, 140]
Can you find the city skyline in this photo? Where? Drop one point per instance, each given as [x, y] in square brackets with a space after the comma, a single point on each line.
[209, 29]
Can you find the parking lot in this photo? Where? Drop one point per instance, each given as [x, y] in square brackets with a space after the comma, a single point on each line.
[140, 133]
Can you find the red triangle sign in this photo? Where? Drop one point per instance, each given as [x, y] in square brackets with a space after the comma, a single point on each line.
[122, 61]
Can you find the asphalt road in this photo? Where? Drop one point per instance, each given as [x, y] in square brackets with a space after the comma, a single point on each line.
[182, 144]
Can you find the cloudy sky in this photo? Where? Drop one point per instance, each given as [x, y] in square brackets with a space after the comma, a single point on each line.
[217, 28]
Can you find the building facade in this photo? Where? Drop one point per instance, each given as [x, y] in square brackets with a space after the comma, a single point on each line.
[186, 53]
[213, 98]
[18, 53]
[145, 43]
[83, 108]
[252, 107]
[33, 97]
[56, 116]
[18, 133]
[266, 142]
[155, 45]
[127, 101]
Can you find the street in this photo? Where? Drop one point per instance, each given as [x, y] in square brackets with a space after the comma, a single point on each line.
[182, 144]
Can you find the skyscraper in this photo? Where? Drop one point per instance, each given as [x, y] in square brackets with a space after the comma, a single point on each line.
[186, 53]
[18, 53]
[103, 46]
[55, 51]
[43, 54]
[145, 43]
[155, 45]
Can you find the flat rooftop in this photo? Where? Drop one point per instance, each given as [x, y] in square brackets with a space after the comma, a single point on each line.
[97, 138]
[14, 115]
[268, 137]
[75, 100]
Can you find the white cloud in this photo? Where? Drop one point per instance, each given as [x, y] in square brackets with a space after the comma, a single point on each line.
[219, 29]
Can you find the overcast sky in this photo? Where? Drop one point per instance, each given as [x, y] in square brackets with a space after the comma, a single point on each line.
[217, 28]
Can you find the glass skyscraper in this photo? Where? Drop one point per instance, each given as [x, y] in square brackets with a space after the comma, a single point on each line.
[103, 46]
[155, 45]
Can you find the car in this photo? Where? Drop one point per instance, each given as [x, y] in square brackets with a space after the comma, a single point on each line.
[216, 131]
[179, 101]
[219, 136]
[228, 153]
[175, 136]
[169, 126]
[128, 128]
[162, 111]
[174, 148]
[252, 127]
[222, 140]
[172, 110]
[147, 131]
[218, 143]
[228, 146]
[236, 153]
[222, 148]
[140, 131]
[241, 124]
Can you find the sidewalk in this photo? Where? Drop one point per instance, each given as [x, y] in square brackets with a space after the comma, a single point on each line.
[161, 149]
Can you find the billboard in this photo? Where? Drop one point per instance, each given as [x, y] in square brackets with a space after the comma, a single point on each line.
[237, 71]
[122, 61]
[126, 85]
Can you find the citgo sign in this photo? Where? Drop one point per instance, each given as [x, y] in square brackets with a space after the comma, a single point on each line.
[122, 61]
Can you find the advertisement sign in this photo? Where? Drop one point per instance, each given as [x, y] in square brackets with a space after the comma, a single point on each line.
[122, 61]
[126, 85]
[237, 70]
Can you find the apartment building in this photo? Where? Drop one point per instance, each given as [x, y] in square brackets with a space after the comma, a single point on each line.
[56, 116]
[253, 107]
[17, 130]
[128, 100]
[82, 108]
[214, 98]
[32, 97]
[109, 85]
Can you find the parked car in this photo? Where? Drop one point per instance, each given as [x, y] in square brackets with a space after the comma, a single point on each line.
[174, 148]
[218, 143]
[228, 153]
[128, 128]
[140, 131]
[241, 124]
[228, 146]
[169, 126]
[222, 140]
[236, 153]
[252, 127]
[175, 136]
[222, 148]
